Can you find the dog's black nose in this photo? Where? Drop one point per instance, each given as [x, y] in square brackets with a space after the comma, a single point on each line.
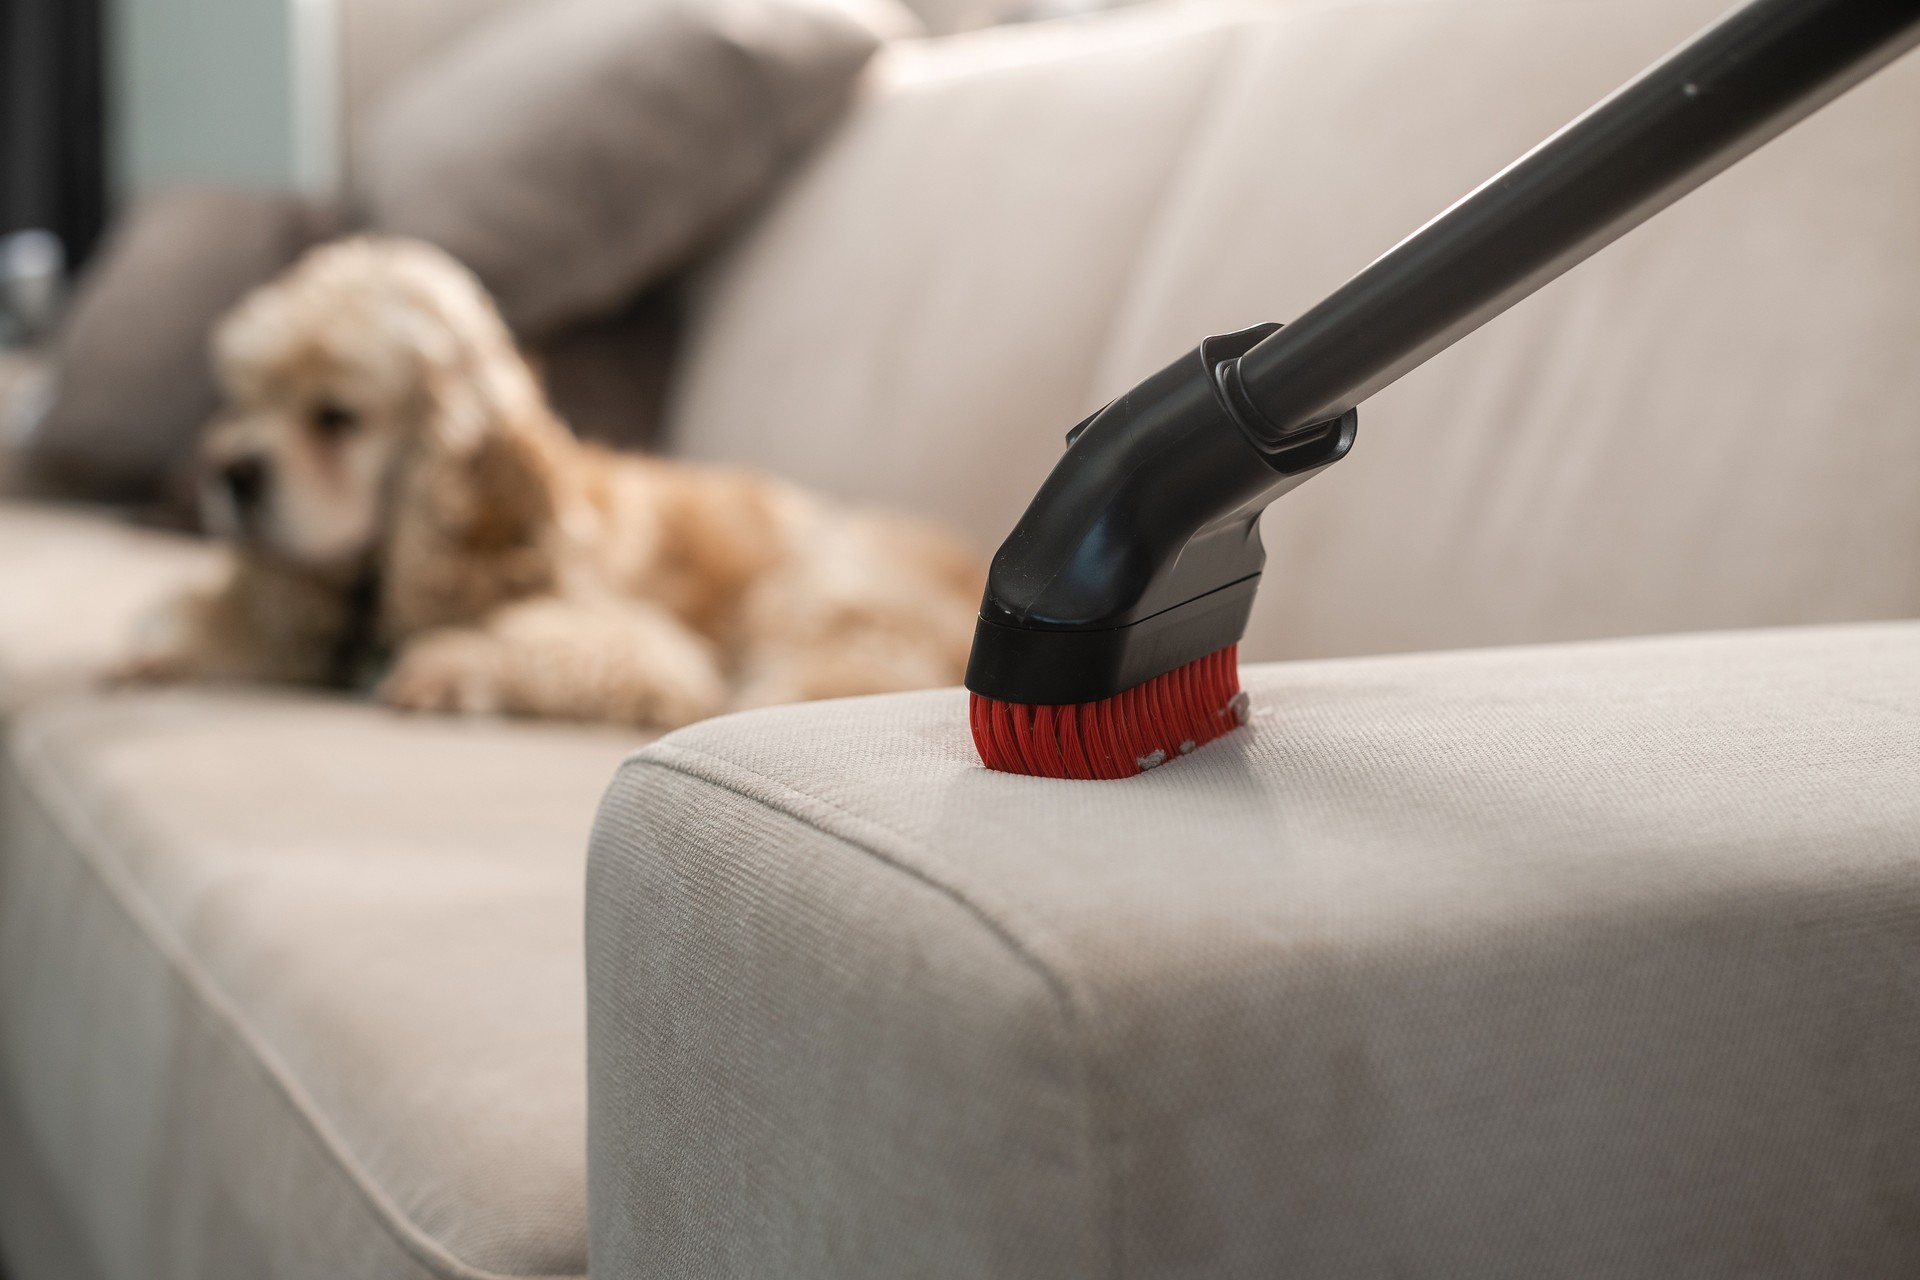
[246, 481]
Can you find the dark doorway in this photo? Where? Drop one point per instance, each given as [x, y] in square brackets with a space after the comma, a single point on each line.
[52, 121]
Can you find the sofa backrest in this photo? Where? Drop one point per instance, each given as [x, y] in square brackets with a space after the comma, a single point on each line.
[1713, 423]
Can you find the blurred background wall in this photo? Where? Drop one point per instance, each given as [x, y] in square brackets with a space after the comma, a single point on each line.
[103, 100]
[239, 92]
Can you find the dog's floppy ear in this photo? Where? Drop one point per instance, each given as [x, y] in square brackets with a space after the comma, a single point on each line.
[505, 475]
[477, 382]
[486, 420]
[475, 510]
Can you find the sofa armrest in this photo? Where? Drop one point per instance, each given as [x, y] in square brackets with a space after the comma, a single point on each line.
[1596, 959]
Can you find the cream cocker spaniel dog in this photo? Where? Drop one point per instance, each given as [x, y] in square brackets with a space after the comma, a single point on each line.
[396, 482]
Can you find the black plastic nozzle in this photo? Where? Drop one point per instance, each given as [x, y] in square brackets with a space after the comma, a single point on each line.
[1142, 550]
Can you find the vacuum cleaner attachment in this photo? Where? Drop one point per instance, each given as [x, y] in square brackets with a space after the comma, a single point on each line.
[1105, 643]
[1137, 559]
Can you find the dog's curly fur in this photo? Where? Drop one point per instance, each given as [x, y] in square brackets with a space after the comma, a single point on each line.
[382, 428]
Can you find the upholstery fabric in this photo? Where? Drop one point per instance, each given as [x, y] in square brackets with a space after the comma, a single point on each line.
[383, 41]
[292, 988]
[37, 1242]
[573, 152]
[75, 586]
[134, 382]
[1714, 423]
[1596, 960]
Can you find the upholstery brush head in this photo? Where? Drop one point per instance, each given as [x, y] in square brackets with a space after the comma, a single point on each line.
[1135, 730]
[1107, 637]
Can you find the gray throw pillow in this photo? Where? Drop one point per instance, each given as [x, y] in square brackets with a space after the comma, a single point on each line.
[575, 151]
[132, 382]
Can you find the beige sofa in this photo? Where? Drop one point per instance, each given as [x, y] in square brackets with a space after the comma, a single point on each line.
[1587, 959]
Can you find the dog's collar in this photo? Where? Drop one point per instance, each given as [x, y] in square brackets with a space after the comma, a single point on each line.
[358, 657]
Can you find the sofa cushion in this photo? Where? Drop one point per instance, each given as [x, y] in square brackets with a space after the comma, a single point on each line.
[573, 152]
[382, 42]
[75, 586]
[1017, 225]
[292, 987]
[1582, 961]
[37, 1238]
[134, 383]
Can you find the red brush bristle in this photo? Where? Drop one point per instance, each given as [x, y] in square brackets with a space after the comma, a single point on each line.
[1115, 737]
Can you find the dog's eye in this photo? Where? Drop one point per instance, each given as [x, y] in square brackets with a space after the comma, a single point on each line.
[333, 420]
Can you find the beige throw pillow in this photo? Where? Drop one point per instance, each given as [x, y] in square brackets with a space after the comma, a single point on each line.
[575, 151]
[133, 384]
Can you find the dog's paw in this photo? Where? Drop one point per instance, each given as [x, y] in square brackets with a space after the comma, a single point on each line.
[456, 672]
[666, 700]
